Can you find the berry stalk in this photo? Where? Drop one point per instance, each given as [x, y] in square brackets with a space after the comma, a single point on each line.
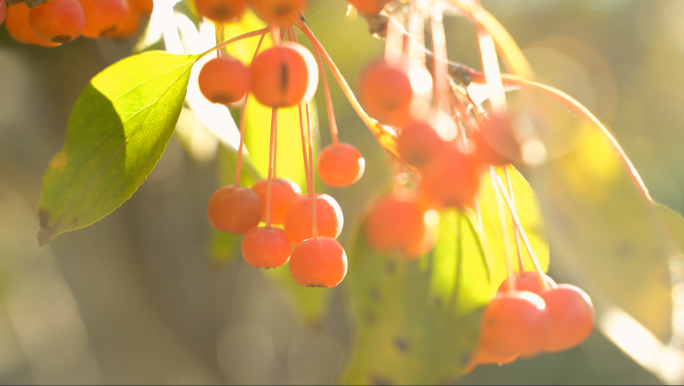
[235, 39]
[328, 100]
[507, 241]
[242, 123]
[385, 137]
[516, 231]
[540, 273]
[271, 167]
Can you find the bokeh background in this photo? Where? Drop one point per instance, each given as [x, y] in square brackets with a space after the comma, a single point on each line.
[136, 297]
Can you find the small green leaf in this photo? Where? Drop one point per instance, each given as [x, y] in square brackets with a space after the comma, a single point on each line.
[527, 209]
[605, 232]
[405, 334]
[117, 132]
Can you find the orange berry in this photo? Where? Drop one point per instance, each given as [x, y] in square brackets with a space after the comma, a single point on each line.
[368, 7]
[284, 76]
[3, 11]
[266, 247]
[18, 26]
[220, 10]
[224, 80]
[385, 93]
[417, 142]
[495, 142]
[484, 357]
[319, 262]
[398, 225]
[142, 7]
[452, 177]
[128, 27]
[572, 317]
[234, 209]
[329, 218]
[283, 191]
[278, 11]
[515, 323]
[103, 16]
[528, 281]
[340, 165]
[57, 21]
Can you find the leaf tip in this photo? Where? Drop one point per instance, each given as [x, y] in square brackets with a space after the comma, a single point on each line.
[45, 234]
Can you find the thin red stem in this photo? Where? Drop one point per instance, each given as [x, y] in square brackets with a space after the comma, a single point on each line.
[235, 39]
[309, 182]
[504, 234]
[385, 137]
[271, 161]
[242, 123]
[312, 193]
[533, 256]
[306, 158]
[516, 231]
[439, 61]
[328, 99]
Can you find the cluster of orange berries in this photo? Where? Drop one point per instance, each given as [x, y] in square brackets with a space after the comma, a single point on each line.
[537, 316]
[449, 166]
[285, 75]
[59, 21]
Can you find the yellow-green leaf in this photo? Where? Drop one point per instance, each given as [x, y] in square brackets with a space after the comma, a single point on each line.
[117, 132]
[604, 231]
[410, 324]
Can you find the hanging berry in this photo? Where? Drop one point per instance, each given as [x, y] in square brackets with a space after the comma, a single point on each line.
[224, 80]
[528, 281]
[318, 262]
[369, 7]
[284, 76]
[57, 21]
[298, 218]
[340, 164]
[103, 16]
[266, 247]
[399, 226]
[283, 191]
[385, 93]
[515, 323]
[278, 12]
[220, 10]
[572, 317]
[234, 209]
[418, 142]
[452, 178]
[19, 29]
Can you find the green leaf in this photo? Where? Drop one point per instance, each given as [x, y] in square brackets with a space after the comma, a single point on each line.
[604, 231]
[673, 224]
[410, 322]
[117, 132]
[459, 274]
[527, 208]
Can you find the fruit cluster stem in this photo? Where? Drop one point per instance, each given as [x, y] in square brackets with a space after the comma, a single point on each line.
[242, 119]
[328, 99]
[235, 39]
[504, 234]
[540, 273]
[516, 230]
[271, 163]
